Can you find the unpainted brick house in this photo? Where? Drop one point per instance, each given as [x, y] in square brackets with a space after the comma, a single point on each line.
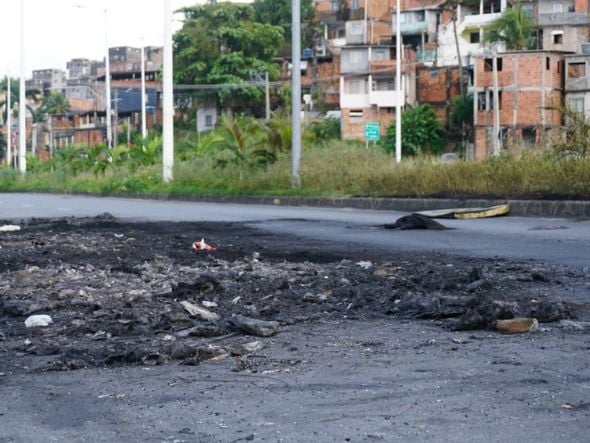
[529, 84]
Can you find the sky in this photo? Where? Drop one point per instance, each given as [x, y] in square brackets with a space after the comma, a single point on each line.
[58, 30]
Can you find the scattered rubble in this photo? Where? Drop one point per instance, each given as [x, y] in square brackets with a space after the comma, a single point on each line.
[121, 293]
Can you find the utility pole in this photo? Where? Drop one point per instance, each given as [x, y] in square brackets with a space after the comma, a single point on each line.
[107, 76]
[22, 109]
[143, 98]
[8, 121]
[168, 99]
[296, 92]
[267, 91]
[116, 125]
[496, 102]
[398, 85]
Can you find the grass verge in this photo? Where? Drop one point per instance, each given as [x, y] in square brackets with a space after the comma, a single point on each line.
[334, 170]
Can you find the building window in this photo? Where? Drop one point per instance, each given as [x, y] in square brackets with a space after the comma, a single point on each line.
[209, 121]
[335, 6]
[412, 17]
[529, 137]
[379, 54]
[558, 38]
[356, 4]
[356, 87]
[474, 37]
[491, 99]
[576, 70]
[488, 64]
[577, 104]
[356, 116]
[557, 8]
[481, 101]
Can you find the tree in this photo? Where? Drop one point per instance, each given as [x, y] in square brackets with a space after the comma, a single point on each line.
[241, 142]
[515, 28]
[222, 44]
[278, 13]
[55, 103]
[421, 134]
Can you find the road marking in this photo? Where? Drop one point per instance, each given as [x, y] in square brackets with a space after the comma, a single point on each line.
[26, 205]
[65, 209]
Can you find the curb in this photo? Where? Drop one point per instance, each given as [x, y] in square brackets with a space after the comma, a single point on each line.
[521, 208]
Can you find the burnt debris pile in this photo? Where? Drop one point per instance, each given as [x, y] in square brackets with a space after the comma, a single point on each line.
[120, 293]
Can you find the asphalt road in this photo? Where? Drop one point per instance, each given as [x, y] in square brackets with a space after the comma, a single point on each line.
[556, 241]
[333, 381]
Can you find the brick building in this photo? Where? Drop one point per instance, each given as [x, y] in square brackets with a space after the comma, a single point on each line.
[577, 81]
[528, 83]
[438, 87]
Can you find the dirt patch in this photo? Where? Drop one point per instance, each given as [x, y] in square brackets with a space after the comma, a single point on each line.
[134, 293]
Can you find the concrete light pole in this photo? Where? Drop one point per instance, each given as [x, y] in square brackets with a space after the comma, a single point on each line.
[398, 85]
[8, 121]
[107, 77]
[168, 104]
[22, 109]
[296, 92]
[143, 98]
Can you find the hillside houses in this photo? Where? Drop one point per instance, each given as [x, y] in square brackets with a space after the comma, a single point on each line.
[360, 34]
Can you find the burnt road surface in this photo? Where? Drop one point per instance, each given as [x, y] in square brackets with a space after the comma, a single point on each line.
[341, 376]
[557, 241]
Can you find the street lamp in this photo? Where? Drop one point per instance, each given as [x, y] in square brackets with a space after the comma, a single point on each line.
[22, 121]
[168, 104]
[8, 120]
[398, 84]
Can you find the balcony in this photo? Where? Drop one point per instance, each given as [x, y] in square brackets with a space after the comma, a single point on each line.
[561, 19]
[477, 20]
[411, 28]
[334, 17]
[382, 65]
[352, 101]
[385, 99]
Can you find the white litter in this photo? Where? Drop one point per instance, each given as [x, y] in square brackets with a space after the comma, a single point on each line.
[365, 264]
[38, 321]
[9, 228]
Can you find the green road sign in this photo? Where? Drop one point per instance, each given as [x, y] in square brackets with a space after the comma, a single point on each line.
[372, 131]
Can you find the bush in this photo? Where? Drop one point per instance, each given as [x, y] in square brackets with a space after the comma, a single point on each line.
[421, 133]
[324, 130]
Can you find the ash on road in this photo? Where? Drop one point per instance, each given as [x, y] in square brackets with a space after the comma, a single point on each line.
[370, 343]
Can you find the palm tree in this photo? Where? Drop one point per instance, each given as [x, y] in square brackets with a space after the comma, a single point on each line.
[55, 103]
[242, 143]
[515, 28]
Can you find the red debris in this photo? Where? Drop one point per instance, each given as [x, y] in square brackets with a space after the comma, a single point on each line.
[202, 246]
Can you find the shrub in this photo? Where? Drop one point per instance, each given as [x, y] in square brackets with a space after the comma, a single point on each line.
[421, 132]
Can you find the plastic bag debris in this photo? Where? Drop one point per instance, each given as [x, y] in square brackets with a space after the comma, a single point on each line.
[38, 321]
[202, 246]
[9, 228]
